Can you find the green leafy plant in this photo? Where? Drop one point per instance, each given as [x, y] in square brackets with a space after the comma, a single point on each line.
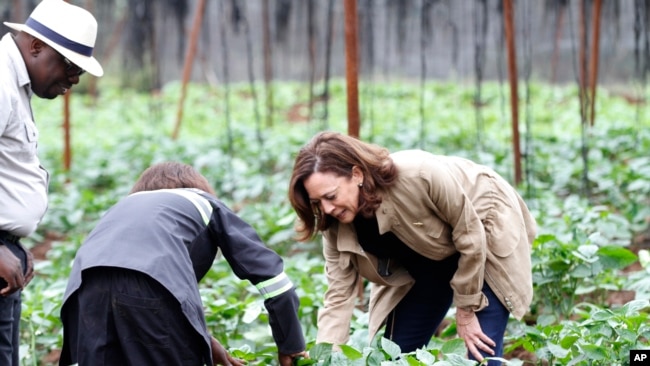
[598, 336]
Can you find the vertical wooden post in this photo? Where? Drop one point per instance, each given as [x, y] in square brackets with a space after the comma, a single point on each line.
[311, 51]
[556, 42]
[189, 60]
[351, 66]
[17, 11]
[67, 150]
[582, 66]
[514, 94]
[92, 82]
[593, 61]
[583, 89]
[268, 62]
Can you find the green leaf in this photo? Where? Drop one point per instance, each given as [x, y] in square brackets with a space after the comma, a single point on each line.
[558, 265]
[635, 306]
[411, 360]
[602, 330]
[593, 352]
[425, 356]
[391, 348]
[587, 252]
[583, 271]
[253, 311]
[616, 257]
[459, 360]
[375, 358]
[568, 341]
[454, 346]
[601, 315]
[351, 352]
[305, 362]
[320, 351]
[557, 351]
[627, 335]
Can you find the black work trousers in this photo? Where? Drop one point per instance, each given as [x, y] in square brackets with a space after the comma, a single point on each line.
[120, 317]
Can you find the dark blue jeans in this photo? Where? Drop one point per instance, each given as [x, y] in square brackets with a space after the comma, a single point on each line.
[493, 320]
[416, 318]
[10, 307]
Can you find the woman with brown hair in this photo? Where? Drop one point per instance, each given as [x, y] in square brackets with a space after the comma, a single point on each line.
[426, 230]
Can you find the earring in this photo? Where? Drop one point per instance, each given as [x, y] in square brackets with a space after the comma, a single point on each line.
[360, 184]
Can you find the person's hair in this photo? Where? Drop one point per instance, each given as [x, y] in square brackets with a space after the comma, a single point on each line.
[331, 152]
[169, 175]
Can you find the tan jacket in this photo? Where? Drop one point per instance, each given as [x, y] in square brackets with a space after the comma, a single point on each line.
[439, 205]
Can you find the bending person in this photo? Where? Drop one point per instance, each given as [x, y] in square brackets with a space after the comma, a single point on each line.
[133, 295]
[427, 231]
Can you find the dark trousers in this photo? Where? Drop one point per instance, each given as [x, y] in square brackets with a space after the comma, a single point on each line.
[10, 307]
[120, 317]
[415, 319]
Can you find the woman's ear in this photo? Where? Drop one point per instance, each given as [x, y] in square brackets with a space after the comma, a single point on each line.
[357, 175]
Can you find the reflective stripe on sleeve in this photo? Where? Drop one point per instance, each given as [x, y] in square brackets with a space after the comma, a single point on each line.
[274, 286]
[201, 204]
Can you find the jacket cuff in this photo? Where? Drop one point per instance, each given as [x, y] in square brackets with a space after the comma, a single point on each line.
[474, 302]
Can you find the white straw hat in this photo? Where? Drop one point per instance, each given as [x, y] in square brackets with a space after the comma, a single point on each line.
[67, 28]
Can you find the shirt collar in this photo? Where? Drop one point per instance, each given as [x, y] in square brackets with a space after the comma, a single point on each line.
[16, 60]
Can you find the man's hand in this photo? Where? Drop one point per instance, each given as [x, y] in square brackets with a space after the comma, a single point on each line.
[29, 274]
[221, 357]
[11, 270]
[287, 360]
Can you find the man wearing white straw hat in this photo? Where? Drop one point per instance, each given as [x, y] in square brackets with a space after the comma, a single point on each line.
[46, 57]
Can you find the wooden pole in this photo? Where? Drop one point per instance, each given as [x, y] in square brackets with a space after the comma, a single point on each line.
[189, 60]
[92, 82]
[351, 67]
[67, 150]
[514, 95]
[556, 43]
[311, 51]
[583, 84]
[582, 66]
[17, 11]
[593, 61]
[268, 62]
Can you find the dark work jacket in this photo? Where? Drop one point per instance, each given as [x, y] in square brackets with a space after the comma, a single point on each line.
[173, 236]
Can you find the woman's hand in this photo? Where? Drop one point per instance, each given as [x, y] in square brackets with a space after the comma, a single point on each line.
[469, 330]
[221, 357]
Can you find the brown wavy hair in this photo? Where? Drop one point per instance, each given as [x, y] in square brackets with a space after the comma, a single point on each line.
[337, 153]
[169, 175]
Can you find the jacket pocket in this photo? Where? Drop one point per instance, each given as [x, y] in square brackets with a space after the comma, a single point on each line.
[439, 231]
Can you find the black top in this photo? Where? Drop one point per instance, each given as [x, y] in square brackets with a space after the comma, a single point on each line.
[388, 247]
